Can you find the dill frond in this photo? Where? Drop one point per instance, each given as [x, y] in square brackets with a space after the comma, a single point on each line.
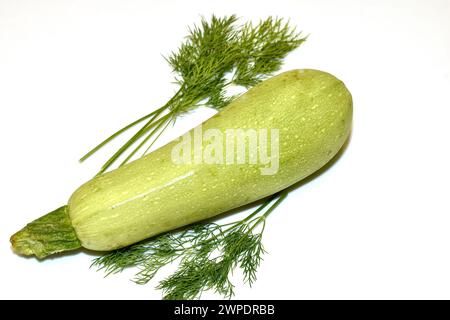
[207, 254]
[215, 56]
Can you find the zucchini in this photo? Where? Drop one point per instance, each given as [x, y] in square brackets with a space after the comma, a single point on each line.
[312, 111]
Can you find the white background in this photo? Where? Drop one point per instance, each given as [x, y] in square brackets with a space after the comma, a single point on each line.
[375, 225]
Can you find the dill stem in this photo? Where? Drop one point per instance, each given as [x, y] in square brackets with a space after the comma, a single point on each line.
[159, 123]
[150, 123]
[157, 137]
[153, 115]
[281, 196]
[111, 137]
[139, 134]
[260, 208]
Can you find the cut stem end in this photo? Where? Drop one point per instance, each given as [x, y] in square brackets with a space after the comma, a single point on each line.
[50, 234]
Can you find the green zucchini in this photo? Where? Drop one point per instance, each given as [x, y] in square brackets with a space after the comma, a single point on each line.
[312, 111]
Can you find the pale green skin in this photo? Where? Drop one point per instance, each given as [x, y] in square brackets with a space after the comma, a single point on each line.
[313, 112]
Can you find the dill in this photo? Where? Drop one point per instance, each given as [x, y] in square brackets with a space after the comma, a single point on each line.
[215, 56]
[207, 254]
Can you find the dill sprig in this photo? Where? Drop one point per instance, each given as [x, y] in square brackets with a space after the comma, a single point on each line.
[215, 56]
[207, 254]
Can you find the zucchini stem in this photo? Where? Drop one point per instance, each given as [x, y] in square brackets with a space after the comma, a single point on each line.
[50, 234]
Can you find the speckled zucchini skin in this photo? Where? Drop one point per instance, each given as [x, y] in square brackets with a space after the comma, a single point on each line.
[313, 112]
